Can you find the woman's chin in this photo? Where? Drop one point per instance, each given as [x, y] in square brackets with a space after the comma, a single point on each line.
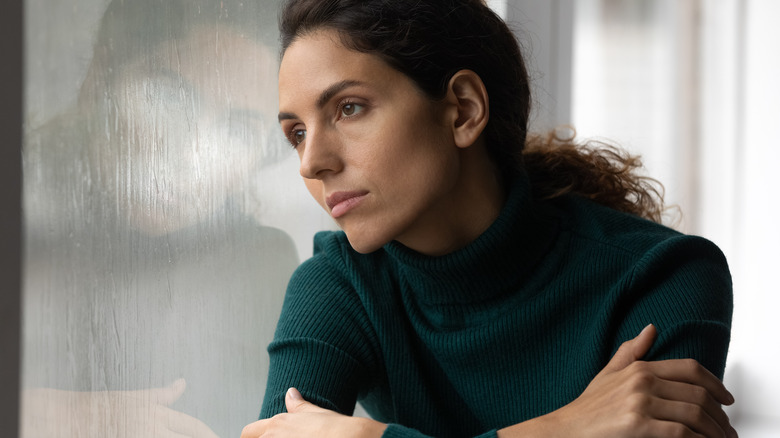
[364, 244]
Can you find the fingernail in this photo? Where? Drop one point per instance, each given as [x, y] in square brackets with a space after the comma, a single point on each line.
[293, 394]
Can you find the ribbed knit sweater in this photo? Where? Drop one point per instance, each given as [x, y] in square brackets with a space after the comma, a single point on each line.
[511, 327]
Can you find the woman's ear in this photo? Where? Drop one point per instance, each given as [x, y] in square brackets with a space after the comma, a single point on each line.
[468, 94]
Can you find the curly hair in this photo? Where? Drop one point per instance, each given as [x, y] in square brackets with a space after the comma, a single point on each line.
[556, 165]
[431, 40]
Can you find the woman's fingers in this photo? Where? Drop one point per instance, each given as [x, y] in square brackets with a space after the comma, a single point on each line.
[678, 390]
[654, 428]
[690, 415]
[294, 402]
[698, 396]
[632, 350]
[632, 397]
[691, 372]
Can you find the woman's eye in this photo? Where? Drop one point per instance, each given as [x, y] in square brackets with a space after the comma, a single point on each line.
[298, 136]
[351, 109]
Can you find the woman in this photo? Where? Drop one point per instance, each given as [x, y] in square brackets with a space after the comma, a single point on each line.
[484, 278]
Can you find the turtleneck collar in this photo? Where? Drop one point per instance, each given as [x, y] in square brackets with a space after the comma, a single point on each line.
[498, 261]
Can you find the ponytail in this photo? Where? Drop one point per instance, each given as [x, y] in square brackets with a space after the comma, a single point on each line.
[557, 165]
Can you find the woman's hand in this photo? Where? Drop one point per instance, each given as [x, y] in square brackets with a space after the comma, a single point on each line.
[304, 419]
[631, 398]
[123, 414]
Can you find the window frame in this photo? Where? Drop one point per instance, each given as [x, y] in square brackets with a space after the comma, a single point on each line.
[11, 50]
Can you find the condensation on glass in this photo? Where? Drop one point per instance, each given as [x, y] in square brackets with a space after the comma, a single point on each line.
[163, 215]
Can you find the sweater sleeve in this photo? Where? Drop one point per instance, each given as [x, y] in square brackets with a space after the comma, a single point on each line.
[322, 342]
[323, 345]
[398, 431]
[683, 286]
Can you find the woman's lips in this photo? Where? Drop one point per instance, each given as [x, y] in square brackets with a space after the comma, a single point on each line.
[340, 203]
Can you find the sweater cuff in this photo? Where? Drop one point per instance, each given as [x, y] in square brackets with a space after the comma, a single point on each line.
[398, 431]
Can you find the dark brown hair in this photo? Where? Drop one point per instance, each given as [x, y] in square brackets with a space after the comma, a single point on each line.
[430, 40]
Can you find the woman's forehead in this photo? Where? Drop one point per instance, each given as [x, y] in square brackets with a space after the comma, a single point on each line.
[318, 60]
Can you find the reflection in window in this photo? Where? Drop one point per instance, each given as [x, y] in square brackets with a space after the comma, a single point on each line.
[152, 280]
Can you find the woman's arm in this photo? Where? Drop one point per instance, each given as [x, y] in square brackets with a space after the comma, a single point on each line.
[322, 344]
[628, 398]
[684, 288]
[304, 419]
[632, 398]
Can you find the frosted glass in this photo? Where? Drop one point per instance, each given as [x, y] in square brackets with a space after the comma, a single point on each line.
[162, 216]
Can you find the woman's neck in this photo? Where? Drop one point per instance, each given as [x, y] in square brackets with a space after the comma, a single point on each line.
[474, 204]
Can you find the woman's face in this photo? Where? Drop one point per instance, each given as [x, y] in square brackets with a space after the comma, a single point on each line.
[375, 152]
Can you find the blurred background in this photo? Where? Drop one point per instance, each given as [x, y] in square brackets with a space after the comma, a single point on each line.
[163, 213]
[692, 86]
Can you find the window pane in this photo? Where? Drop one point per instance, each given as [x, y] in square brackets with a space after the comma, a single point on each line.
[163, 215]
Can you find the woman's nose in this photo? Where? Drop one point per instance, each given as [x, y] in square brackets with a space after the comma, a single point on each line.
[319, 156]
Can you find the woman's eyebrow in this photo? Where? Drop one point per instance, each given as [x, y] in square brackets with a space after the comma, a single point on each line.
[325, 96]
[334, 89]
[287, 116]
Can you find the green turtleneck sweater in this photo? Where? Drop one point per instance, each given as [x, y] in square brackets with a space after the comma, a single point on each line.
[511, 327]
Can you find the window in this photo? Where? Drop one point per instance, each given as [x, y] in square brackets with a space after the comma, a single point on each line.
[163, 215]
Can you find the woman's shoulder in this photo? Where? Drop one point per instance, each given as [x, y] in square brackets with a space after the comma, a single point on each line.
[333, 254]
[330, 244]
[642, 252]
[333, 265]
[324, 300]
[651, 256]
[596, 224]
[338, 273]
